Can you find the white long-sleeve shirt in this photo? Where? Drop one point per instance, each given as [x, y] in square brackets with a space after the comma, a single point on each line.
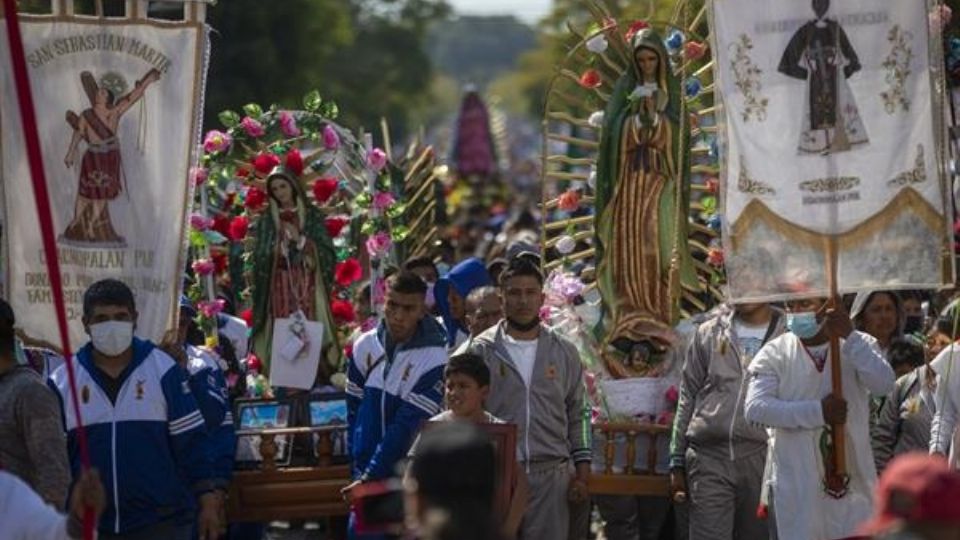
[947, 367]
[784, 393]
[24, 515]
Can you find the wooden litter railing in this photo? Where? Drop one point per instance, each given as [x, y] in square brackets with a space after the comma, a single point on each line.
[630, 481]
[270, 493]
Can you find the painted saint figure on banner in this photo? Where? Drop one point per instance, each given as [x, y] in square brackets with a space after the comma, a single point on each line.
[643, 260]
[820, 54]
[101, 171]
[294, 259]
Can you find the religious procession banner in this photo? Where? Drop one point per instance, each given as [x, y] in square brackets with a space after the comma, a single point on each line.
[117, 103]
[833, 135]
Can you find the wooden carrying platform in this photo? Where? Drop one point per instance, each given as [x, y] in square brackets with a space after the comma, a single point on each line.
[271, 493]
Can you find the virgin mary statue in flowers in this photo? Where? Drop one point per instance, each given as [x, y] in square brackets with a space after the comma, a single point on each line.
[293, 263]
[641, 233]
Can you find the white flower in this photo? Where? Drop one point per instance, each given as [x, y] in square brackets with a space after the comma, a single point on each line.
[592, 179]
[339, 380]
[566, 244]
[597, 44]
[596, 120]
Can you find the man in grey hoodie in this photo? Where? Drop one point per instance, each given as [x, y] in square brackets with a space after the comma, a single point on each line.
[714, 450]
[536, 383]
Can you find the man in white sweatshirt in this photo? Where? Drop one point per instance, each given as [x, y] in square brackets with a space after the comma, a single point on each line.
[790, 390]
[24, 515]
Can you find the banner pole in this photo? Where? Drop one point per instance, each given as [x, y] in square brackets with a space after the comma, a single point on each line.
[28, 121]
[837, 477]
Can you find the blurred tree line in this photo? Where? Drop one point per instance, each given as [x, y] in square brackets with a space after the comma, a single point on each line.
[368, 56]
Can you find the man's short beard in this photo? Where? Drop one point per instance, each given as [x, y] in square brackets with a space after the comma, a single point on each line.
[523, 327]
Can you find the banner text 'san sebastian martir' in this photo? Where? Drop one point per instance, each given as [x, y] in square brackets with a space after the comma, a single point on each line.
[102, 41]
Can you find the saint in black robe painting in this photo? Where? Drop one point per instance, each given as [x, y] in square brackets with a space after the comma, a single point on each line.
[820, 54]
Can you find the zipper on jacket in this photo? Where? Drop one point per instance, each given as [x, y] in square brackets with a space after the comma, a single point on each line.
[736, 405]
[526, 427]
[113, 451]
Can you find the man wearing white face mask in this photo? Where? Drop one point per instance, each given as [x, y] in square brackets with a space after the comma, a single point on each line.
[144, 430]
[790, 390]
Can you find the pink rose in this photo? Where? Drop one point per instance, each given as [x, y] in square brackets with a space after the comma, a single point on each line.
[288, 124]
[672, 394]
[216, 141]
[198, 175]
[252, 127]
[377, 159]
[383, 200]
[209, 309]
[379, 244]
[331, 140]
[200, 223]
[203, 267]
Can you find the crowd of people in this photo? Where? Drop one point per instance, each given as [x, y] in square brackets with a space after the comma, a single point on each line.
[462, 346]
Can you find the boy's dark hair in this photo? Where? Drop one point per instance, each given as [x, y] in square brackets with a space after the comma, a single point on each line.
[521, 266]
[903, 351]
[471, 365]
[405, 282]
[107, 292]
[419, 262]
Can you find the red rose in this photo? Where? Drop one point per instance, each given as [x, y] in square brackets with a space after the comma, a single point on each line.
[229, 200]
[220, 262]
[335, 225]
[247, 316]
[238, 228]
[342, 311]
[264, 163]
[255, 198]
[348, 350]
[254, 363]
[634, 28]
[221, 224]
[324, 188]
[569, 201]
[348, 272]
[590, 79]
[242, 172]
[295, 162]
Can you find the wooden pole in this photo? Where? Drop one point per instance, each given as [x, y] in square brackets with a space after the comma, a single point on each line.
[836, 477]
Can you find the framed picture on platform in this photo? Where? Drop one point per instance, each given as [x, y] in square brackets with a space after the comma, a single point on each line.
[259, 415]
[330, 410]
[504, 438]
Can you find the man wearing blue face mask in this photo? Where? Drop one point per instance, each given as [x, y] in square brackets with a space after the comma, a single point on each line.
[144, 430]
[790, 391]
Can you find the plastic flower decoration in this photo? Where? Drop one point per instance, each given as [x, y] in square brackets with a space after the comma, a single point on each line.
[216, 141]
[590, 79]
[252, 127]
[597, 44]
[566, 244]
[288, 124]
[569, 201]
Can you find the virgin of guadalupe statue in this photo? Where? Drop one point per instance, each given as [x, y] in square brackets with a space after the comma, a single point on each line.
[293, 260]
[641, 240]
[820, 54]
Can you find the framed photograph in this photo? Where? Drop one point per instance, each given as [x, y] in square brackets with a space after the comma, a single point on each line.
[504, 437]
[259, 415]
[330, 410]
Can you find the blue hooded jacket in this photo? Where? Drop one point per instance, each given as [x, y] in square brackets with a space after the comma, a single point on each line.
[468, 275]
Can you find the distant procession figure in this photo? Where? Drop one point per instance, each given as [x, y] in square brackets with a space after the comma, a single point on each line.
[101, 171]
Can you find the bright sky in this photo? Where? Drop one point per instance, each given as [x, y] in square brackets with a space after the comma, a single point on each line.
[527, 10]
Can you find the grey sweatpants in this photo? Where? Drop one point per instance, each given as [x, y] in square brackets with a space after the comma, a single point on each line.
[724, 496]
[549, 513]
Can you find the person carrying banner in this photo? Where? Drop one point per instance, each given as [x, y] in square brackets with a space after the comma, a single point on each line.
[144, 430]
[714, 450]
[790, 390]
[394, 383]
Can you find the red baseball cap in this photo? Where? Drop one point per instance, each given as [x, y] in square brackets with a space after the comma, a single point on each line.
[916, 487]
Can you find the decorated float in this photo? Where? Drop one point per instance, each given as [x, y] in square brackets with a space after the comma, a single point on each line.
[631, 235]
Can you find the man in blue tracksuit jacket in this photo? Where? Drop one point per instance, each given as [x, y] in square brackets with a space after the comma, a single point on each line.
[395, 382]
[209, 387]
[145, 433]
